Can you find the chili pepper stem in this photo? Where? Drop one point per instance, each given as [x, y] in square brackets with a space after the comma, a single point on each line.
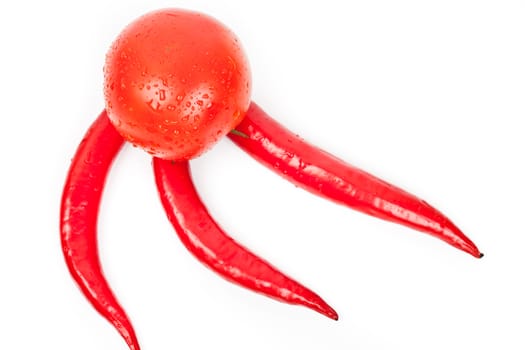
[239, 133]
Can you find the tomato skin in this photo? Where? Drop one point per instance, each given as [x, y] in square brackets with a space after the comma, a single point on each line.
[176, 81]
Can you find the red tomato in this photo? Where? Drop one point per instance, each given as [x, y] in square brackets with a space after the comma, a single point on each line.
[176, 81]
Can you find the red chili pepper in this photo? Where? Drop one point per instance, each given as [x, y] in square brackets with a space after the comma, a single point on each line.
[175, 90]
[328, 176]
[78, 222]
[197, 230]
[203, 237]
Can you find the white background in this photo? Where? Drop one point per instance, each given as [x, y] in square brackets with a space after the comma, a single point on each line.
[426, 94]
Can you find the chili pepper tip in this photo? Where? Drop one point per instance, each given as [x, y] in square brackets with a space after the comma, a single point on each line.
[330, 313]
[481, 255]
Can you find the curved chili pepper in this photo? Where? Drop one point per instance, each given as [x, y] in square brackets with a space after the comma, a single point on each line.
[327, 176]
[78, 222]
[203, 237]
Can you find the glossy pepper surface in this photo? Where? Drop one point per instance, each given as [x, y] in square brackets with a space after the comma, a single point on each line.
[325, 175]
[79, 217]
[203, 237]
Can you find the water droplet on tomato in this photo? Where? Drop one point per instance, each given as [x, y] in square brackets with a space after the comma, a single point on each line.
[163, 129]
[155, 105]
